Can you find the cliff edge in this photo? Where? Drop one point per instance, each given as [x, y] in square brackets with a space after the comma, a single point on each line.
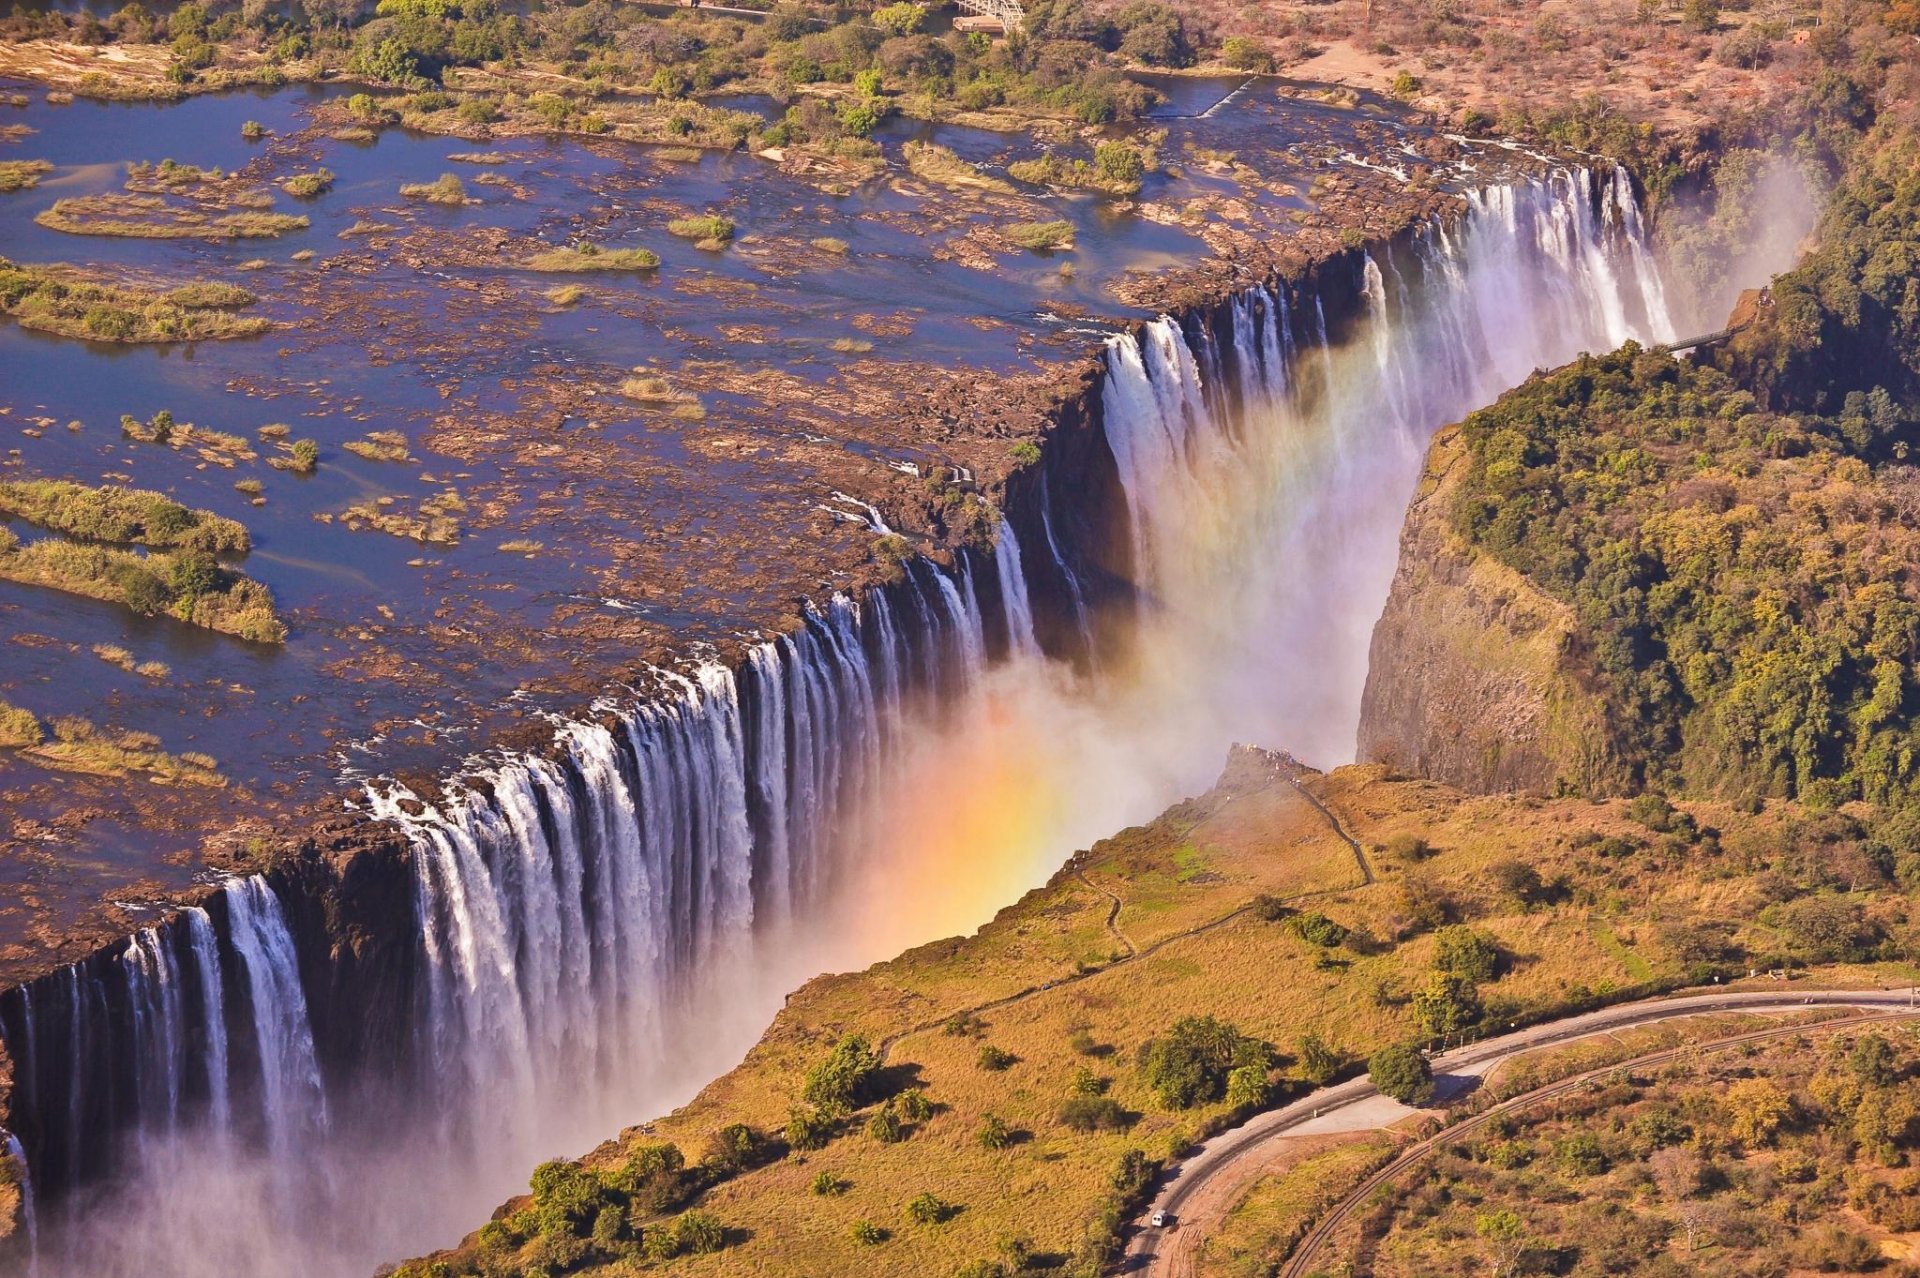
[1470, 678]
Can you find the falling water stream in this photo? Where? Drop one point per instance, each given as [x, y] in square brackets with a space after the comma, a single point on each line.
[605, 926]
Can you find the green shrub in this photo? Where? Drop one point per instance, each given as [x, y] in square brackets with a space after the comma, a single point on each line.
[866, 1233]
[1039, 237]
[1401, 1071]
[845, 1079]
[994, 1058]
[885, 1126]
[1190, 1064]
[1243, 54]
[810, 1128]
[1466, 952]
[707, 228]
[1094, 1114]
[930, 1209]
[1316, 1062]
[993, 1133]
[1316, 928]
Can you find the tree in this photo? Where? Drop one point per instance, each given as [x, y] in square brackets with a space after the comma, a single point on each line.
[844, 1080]
[1518, 881]
[1401, 1071]
[993, 1133]
[1190, 1064]
[1701, 15]
[1872, 1061]
[1316, 1062]
[1247, 1087]
[809, 1129]
[1446, 1003]
[1119, 163]
[700, 1232]
[1504, 1236]
[900, 19]
[885, 1126]
[1581, 1155]
[1094, 1114]
[1465, 952]
[1316, 928]
[1756, 1110]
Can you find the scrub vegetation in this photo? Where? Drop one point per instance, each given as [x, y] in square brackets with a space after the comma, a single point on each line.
[22, 175]
[52, 299]
[170, 200]
[73, 744]
[126, 516]
[591, 257]
[190, 585]
[1788, 1157]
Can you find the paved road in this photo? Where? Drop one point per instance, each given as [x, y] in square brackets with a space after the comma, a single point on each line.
[1205, 1187]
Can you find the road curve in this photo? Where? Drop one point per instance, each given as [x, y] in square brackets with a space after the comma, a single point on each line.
[1204, 1187]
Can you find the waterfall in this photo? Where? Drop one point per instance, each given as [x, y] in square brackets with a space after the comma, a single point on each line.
[1013, 589]
[1264, 540]
[292, 1098]
[600, 923]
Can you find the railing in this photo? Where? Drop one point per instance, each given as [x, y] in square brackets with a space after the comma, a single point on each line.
[1007, 13]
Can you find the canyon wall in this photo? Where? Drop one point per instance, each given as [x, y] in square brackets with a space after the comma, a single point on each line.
[1472, 677]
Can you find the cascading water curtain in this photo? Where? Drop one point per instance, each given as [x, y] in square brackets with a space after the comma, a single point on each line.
[1266, 468]
[573, 907]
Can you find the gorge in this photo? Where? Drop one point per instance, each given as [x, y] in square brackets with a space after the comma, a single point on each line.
[514, 961]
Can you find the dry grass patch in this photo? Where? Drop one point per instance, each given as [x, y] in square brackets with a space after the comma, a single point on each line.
[381, 445]
[445, 189]
[564, 294]
[149, 217]
[434, 519]
[937, 164]
[22, 175]
[52, 299]
[80, 746]
[591, 257]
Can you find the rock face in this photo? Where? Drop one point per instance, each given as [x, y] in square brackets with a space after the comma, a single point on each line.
[1472, 674]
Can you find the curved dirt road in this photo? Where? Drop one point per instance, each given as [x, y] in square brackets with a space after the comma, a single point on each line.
[1201, 1191]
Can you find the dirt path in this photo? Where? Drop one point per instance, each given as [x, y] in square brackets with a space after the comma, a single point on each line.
[1205, 1187]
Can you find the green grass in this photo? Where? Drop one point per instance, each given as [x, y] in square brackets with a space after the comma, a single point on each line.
[708, 230]
[1040, 237]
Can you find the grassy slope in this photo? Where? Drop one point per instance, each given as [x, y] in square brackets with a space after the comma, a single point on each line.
[1199, 864]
